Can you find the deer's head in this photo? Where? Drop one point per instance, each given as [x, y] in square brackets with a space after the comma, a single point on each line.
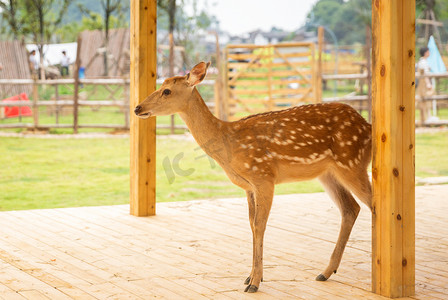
[173, 95]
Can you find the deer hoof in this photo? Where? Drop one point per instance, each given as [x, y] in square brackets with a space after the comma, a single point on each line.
[321, 278]
[251, 289]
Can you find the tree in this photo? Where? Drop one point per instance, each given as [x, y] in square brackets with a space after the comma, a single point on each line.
[11, 13]
[109, 8]
[34, 19]
[169, 6]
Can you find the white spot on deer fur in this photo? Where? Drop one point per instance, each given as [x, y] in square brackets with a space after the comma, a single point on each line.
[247, 165]
[346, 123]
[243, 146]
[293, 131]
[254, 168]
[327, 120]
[322, 140]
[355, 138]
[335, 118]
[313, 127]
[309, 143]
[321, 126]
[342, 165]
[316, 140]
[296, 147]
[349, 143]
[350, 163]
[302, 122]
[289, 141]
[293, 137]
[286, 119]
[359, 130]
[342, 126]
[356, 161]
[344, 154]
[302, 144]
[342, 144]
[278, 134]
[282, 124]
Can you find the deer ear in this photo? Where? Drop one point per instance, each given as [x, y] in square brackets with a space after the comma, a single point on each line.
[197, 74]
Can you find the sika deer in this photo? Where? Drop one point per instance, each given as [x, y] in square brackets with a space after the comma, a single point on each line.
[329, 141]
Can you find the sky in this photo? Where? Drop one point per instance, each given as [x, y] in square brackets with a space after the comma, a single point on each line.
[241, 16]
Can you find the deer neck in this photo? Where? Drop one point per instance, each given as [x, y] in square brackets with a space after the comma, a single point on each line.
[208, 131]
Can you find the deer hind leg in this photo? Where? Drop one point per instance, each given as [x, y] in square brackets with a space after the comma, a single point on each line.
[262, 206]
[349, 211]
[359, 183]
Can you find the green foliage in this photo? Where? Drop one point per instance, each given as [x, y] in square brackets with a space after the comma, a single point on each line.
[69, 32]
[347, 19]
[36, 20]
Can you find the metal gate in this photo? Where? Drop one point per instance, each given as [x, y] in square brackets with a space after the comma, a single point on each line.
[266, 78]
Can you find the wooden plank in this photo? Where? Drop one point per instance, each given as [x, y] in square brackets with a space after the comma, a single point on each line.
[393, 260]
[143, 82]
[408, 148]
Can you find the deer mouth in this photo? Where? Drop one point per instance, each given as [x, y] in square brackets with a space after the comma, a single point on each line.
[144, 116]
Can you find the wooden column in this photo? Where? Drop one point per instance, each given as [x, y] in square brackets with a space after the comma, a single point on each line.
[143, 83]
[393, 235]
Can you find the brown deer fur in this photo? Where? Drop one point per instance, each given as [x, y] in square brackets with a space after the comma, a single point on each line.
[329, 141]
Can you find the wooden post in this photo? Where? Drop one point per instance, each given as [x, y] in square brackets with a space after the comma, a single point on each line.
[143, 82]
[76, 89]
[35, 104]
[393, 234]
[320, 44]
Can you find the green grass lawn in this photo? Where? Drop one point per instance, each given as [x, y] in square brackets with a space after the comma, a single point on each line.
[47, 173]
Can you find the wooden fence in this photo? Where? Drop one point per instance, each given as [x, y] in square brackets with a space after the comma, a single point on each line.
[261, 78]
[116, 93]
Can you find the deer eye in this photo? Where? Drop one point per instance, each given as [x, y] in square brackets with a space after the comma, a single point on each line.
[166, 92]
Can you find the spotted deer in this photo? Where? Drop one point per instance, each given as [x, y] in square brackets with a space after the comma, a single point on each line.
[331, 142]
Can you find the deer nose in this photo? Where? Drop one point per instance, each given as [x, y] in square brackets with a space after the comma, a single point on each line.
[137, 109]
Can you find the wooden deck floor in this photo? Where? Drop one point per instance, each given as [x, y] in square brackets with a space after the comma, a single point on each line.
[202, 250]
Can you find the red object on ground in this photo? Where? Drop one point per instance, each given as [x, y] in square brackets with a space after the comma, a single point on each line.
[13, 111]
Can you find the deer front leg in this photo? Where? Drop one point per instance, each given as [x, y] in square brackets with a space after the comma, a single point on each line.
[262, 207]
[251, 205]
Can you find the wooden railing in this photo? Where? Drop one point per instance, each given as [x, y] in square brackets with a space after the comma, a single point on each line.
[57, 103]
